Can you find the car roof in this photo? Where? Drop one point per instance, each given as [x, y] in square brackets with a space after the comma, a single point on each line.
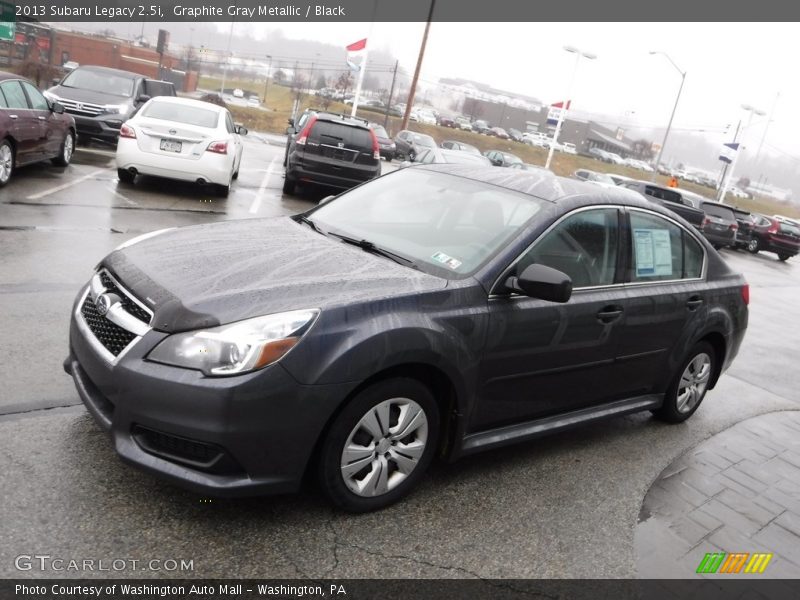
[544, 186]
[6, 75]
[188, 102]
[342, 119]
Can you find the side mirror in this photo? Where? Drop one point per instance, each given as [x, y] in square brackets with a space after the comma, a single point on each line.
[326, 199]
[290, 122]
[54, 81]
[57, 108]
[240, 129]
[540, 281]
[142, 98]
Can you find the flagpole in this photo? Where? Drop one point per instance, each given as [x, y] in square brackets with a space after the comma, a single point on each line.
[362, 70]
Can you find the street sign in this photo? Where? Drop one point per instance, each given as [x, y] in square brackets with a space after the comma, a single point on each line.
[8, 25]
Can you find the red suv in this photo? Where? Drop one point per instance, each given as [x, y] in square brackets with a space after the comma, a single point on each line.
[771, 235]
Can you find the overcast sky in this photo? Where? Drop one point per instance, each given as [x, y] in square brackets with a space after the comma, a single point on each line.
[726, 64]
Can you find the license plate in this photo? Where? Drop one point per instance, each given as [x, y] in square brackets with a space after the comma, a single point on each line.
[171, 146]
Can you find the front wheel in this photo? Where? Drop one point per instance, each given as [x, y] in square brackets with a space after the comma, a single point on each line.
[689, 385]
[784, 257]
[380, 445]
[67, 148]
[6, 162]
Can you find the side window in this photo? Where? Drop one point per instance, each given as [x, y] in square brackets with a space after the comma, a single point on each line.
[584, 246]
[426, 157]
[662, 251]
[3, 103]
[580, 174]
[15, 97]
[38, 102]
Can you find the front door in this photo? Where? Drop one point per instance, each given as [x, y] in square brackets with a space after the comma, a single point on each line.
[23, 124]
[544, 358]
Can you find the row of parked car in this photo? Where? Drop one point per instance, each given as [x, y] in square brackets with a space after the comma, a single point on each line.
[723, 225]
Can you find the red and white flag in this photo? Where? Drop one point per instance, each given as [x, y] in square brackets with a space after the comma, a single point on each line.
[354, 51]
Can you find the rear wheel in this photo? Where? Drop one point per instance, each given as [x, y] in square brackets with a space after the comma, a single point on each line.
[380, 445]
[6, 162]
[753, 246]
[288, 185]
[689, 385]
[784, 257]
[125, 176]
[65, 155]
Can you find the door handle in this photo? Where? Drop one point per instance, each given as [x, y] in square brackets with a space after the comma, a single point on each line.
[609, 314]
[13, 116]
[694, 302]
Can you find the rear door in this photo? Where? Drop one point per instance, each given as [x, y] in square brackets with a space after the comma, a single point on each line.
[23, 124]
[666, 299]
[339, 149]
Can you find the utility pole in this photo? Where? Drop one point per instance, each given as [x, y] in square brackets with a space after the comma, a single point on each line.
[225, 63]
[391, 93]
[672, 115]
[413, 89]
[266, 82]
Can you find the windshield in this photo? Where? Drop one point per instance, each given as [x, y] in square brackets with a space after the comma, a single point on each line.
[601, 177]
[380, 131]
[449, 226]
[511, 159]
[180, 113]
[104, 83]
[424, 140]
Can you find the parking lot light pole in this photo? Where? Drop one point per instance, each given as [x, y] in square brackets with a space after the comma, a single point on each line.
[578, 55]
[727, 181]
[672, 116]
[266, 82]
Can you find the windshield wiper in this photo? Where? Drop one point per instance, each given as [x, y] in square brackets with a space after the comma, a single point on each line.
[370, 247]
[309, 222]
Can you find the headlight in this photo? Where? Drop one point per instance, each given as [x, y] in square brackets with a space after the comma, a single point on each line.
[116, 109]
[50, 96]
[238, 347]
[141, 238]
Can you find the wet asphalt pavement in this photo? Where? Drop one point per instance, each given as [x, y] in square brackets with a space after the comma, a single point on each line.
[564, 506]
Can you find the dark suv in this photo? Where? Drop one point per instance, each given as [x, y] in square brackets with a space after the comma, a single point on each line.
[102, 99]
[333, 150]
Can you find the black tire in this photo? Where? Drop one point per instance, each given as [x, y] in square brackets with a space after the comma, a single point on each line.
[65, 152]
[125, 176]
[222, 191]
[753, 246]
[389, 158]
[330, 458]
[286, 155]
[288, 185]
[784, 257]
[8, 160]
[236, 175]
[412, 155]
[670, 411]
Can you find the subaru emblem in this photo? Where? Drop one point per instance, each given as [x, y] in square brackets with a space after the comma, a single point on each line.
[103, 304]
[341, 144]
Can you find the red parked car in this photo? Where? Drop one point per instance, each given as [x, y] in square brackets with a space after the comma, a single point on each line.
[772, 235]
[32, 128]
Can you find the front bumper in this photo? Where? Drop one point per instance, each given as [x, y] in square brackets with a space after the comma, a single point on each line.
[103, 127]
[223, 436]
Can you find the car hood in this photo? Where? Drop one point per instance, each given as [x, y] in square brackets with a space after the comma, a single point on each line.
[207, 275]
[88, 96]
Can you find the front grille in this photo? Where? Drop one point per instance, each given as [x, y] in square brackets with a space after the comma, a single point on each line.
[81, 108]
[129, 305]
[113, 337]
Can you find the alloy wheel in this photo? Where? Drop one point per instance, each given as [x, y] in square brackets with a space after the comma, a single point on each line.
[693, 382]
[6, 162]
[384, 447]
[68, 148]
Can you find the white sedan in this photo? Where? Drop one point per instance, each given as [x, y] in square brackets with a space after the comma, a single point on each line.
[183, 139]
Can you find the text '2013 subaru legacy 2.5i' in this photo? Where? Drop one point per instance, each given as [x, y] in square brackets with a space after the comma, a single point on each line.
[437, 311]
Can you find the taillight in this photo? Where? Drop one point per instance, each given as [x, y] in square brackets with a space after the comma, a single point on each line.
[218, 147]
[746, 293]
[126, 131]
[301, 139]
[706, 221]
[733, 226]
[376, 149]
